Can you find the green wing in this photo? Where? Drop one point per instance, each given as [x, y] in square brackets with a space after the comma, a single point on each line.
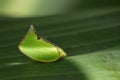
[39, 49]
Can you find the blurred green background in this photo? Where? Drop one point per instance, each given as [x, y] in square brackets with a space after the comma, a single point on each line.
[88, 30]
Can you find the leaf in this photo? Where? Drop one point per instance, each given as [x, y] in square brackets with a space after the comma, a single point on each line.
[90, 37]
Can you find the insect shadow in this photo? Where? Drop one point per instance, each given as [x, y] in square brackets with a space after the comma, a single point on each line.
[59, 70]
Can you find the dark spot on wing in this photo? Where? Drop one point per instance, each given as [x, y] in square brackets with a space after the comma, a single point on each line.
[38, 37]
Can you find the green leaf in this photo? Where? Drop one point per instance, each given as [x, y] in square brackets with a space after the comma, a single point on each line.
[91, 38]
[40, 49]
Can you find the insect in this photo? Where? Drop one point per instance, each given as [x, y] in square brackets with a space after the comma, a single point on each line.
[40, 49]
